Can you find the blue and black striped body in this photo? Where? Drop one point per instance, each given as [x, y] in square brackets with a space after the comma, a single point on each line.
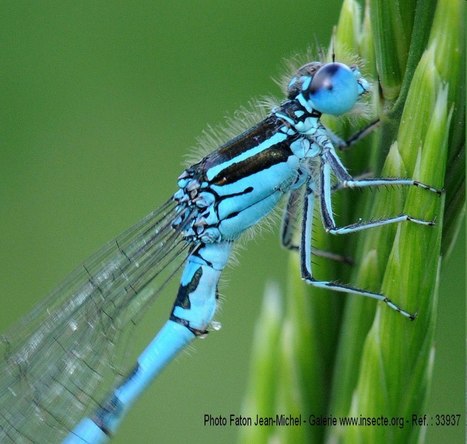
[237, 185]
[219, 198]
[56, 359]
[224, 195]
[230, 191]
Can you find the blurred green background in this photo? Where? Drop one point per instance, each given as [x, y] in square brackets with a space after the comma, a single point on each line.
[100, 104]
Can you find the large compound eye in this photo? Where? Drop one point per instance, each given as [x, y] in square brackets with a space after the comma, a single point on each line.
[334, 89]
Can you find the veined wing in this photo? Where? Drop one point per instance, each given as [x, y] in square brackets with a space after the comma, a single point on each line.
[56, 363]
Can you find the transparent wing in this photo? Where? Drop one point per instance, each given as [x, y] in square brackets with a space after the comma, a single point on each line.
[56, 363]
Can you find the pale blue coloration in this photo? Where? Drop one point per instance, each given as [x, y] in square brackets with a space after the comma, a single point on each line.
[335, 80]
[55, 362]
[86, 432]
[172, 338]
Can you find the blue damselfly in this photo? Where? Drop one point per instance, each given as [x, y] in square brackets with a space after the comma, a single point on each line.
[176, 221]
[53, 372]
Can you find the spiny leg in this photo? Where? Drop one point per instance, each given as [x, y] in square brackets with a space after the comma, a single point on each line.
[305, 262]
[331, 163]
[340, 185]
[288, 229]
[343, 145]
[288, 220]
[387, 181]
[347, 181]
[359, 226]
[370, 294]
[365, 181]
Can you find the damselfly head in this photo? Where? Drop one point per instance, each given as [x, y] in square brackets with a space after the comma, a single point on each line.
[331, 88]
[302, 78]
